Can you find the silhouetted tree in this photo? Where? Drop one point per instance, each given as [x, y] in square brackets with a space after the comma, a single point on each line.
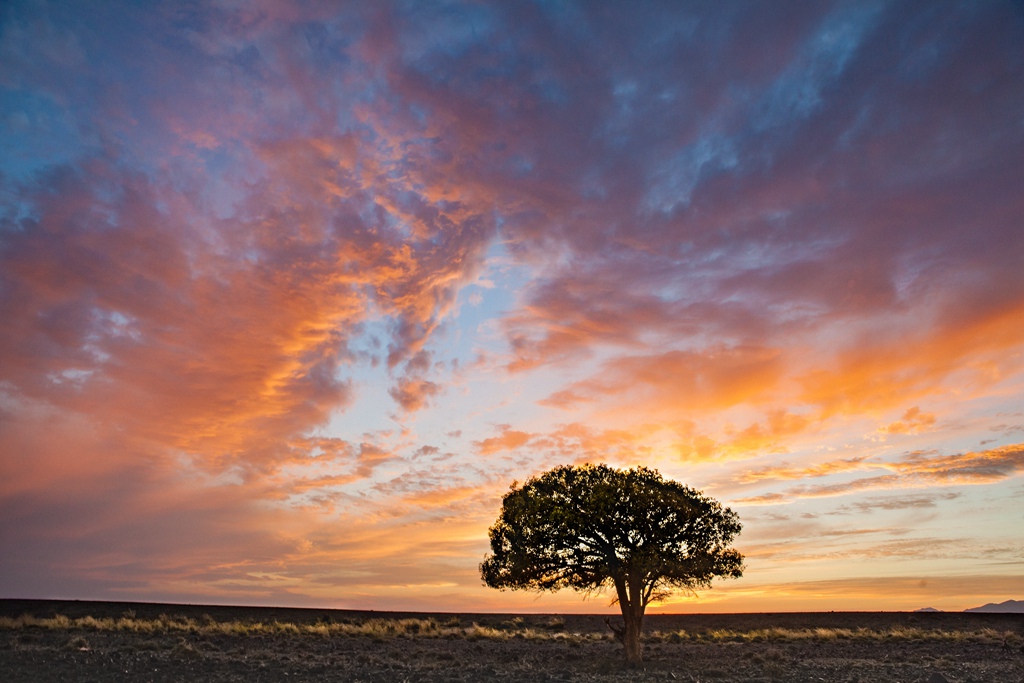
[593, 526]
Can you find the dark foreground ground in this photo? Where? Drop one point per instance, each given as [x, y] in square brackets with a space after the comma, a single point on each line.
[908, 647]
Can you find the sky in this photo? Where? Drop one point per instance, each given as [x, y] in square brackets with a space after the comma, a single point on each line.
[291, 293]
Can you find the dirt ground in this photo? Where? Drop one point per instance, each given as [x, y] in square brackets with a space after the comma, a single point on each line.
[74, 654]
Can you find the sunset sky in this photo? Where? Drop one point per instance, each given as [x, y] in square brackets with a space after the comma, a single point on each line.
[291, 293]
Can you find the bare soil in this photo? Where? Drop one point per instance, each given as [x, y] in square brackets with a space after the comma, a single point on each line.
[84, 655]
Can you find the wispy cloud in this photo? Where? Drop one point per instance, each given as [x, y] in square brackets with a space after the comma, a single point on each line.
[915, 470]
[815, 470]
[902, 502]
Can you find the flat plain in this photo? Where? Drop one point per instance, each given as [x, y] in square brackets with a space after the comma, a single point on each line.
[106, 641]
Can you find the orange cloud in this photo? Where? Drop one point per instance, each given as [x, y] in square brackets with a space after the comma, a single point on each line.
[772, 435]
[986, 466]
[816, 470]
[916, 470]
[508, 439]
[984, 344]
[193, 349]
[714, 378]
[913, 421]
[413, 394]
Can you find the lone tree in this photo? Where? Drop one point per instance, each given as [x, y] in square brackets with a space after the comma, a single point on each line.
[593, 526]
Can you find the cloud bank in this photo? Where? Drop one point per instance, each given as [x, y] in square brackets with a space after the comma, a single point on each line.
[291, 292]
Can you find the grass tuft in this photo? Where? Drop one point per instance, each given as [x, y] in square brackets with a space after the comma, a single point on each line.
[78, 643]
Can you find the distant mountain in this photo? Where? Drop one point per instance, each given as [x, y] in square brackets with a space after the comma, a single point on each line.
[1014, 606]
[927, 609]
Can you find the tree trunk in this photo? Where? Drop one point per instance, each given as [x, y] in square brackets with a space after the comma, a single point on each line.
[631, 603]
[631, 638]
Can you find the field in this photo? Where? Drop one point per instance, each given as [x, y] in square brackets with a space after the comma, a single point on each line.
[99, 642]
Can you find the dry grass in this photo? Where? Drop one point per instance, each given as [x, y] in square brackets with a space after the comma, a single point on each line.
[554, 629]
[383, 629]
[896, 633]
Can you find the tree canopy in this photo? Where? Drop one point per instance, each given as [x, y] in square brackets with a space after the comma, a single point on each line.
[590, 527]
